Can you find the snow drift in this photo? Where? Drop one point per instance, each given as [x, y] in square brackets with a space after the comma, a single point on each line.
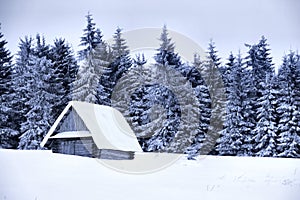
[42, 175]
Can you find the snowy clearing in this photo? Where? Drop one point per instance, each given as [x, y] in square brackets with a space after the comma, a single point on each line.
[42, 175]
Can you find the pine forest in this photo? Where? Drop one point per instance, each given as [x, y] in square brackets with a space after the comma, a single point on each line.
[251, 109]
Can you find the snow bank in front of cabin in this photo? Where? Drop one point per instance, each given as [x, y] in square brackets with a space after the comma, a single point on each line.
[42, 175]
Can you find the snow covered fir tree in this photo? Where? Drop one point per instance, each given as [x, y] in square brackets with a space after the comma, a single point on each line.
[172, 106]
[8, 132]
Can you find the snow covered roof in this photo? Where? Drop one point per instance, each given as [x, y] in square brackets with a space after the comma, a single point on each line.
[72, 134]
[107, 126]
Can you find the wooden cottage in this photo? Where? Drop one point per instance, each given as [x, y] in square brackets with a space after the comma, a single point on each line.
[91, 130]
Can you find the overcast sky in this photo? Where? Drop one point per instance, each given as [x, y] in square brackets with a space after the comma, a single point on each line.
[230, 23]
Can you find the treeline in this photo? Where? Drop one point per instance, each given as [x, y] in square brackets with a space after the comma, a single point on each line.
[241, 108]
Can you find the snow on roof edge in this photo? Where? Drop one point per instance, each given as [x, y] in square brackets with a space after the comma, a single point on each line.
[72, 134]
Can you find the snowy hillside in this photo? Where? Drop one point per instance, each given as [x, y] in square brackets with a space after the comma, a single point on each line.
[41, 175]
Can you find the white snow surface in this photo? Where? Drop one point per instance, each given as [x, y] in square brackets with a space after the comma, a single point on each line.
[42, 175]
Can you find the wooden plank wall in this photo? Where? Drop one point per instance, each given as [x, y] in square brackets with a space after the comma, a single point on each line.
[71, 122]
[87, 148]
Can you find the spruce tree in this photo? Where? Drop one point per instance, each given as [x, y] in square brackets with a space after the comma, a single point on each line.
[38, 91]
[258, 66]
[41, 48]
[38, 118]
[121, 59]
[201, 92]
[288, 110]
[173, 95]
[231, 138]
[159, 113]
[8, 132]
[91, 38]
[127, 85]
[21, 77]
[133, 98]
[154, 108]
[259, 62]
[65, 69]
[212, 54]
[88, 77]
[265, 131]
[162, 98]
[119, 63]
[94, 61]
[214, 82]
[248, 114]
[165, 53]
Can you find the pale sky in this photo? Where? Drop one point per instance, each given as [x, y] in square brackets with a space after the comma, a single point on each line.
[230, 23]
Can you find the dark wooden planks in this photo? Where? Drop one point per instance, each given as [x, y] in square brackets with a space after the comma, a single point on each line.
[87, 148]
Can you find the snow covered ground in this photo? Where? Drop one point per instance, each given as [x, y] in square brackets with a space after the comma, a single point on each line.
[41, 175]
